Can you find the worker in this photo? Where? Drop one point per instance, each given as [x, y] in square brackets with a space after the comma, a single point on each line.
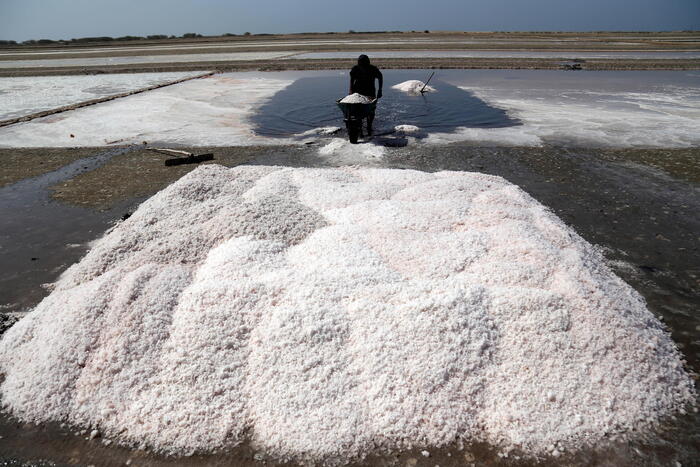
[362, 78]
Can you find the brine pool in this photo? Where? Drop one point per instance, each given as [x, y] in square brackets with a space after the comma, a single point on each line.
[495, 107]
[309, 102]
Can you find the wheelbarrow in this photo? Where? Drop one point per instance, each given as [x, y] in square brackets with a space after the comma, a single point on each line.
[353, 114]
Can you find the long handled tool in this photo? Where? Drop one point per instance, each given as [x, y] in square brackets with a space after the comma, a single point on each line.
[188, 159]
[422, 90]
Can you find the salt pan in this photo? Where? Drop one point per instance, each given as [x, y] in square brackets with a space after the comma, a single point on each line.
[324, 313]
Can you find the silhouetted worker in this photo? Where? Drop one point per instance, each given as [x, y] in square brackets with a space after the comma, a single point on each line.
[362, 78]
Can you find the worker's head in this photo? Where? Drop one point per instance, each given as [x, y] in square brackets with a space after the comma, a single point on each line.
[363, 60]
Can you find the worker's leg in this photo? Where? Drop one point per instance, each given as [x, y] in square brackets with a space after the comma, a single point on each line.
[370, 120]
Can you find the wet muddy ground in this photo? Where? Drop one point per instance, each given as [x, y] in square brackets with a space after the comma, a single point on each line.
[639, 205]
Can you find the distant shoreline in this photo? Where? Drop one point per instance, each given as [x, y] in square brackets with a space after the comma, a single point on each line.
[198, 38]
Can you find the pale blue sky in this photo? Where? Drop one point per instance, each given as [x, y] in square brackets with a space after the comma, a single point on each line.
[64, 19]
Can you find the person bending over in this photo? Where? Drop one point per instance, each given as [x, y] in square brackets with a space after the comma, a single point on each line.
[362, 78]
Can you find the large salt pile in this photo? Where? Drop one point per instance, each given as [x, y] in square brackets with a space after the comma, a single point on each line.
[413, 87]
[323, 313]
[356, 98]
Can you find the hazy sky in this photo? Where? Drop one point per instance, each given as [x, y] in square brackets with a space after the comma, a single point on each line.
[65, 19]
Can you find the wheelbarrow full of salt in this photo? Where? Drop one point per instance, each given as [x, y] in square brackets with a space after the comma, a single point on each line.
[353, 114]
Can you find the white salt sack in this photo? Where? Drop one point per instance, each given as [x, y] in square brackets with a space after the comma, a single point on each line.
[356, 98]
[413, 87]
[324, 313]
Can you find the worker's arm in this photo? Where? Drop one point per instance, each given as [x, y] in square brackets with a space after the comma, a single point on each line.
[381, 83]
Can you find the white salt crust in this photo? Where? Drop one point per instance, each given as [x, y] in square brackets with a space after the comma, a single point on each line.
[406, 129]
[216, 112]
[666, 118]
[413, 87]
[324, 313]
[341, 151]
[213, 110]
[25, 95]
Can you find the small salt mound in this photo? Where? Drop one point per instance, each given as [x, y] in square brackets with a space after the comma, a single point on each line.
[406, 128]
[324, 130]
[356, 99]
[342, 151]
[328, 312]
[411, 131]
[413, 87]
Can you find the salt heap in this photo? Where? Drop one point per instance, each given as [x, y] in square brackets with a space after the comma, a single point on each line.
[343, 152]
[413, 87]
[356, 98]
[327, 312]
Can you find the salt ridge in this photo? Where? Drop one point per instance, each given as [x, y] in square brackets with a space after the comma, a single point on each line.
[328, 312]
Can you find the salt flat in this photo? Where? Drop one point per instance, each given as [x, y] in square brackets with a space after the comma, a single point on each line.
[21, 96]
[140, 59]
[564, 54]
[229, 45]
[595, 109]
[210, 109]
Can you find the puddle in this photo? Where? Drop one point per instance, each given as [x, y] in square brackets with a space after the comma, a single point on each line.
[41, 237]
[309, 103]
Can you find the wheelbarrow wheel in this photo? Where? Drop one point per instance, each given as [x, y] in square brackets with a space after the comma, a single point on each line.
[354, 130]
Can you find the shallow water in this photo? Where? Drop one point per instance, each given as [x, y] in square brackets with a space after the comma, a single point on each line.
[40, 236]
[310, 103]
